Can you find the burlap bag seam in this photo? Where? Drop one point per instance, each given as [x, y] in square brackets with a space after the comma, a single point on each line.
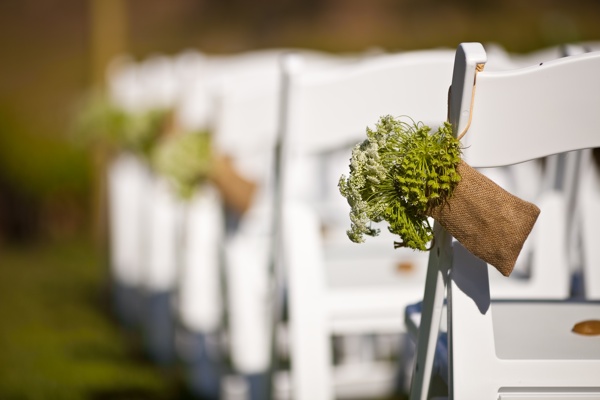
[489, 221]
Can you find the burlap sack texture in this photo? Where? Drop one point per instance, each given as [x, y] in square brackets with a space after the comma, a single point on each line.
[490, 222]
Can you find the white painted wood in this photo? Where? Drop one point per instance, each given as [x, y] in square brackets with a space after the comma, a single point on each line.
[161, 247]
[494, 347]
[159, 81]
[468, 57]
[542, 100]
[128, 180]
[429, 324]
[310, 347]
[248, 298]
[124, 85]
[589, 199]
[329, 110]
[244, 98]
[238, 96]
[333, 107]
[200, 298]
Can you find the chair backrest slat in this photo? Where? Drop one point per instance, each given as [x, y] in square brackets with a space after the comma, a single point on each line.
[382, 89]
[519, 115]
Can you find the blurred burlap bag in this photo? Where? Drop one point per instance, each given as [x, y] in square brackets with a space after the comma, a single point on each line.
[490, 222]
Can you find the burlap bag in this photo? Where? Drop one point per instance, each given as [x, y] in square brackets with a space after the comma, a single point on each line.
[490, 222]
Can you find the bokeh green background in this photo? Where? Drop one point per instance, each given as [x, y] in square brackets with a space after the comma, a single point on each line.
[46, 63]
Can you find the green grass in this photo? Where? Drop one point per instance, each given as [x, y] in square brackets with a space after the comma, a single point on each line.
[57, 338]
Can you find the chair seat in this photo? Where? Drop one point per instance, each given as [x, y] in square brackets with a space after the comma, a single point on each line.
[378, 266]
[530, 330]
[543, 330]
[377, 308]
[374, 293]
[527, 331]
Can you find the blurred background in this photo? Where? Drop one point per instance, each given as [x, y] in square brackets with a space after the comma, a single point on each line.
[57, 339]
[53, 52]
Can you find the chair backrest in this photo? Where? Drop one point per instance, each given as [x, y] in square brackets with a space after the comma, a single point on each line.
[246, 106]
[128, 181]
[159, 81]
[508, 117]
[124, 84]
[137, 87]
[532, 124]
[330, 109]
[551, 183]
[235, 98]
[375, 90]
[541, 107]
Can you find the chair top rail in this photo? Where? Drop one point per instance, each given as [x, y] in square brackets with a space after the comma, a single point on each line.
[333, 108]
[534, 102]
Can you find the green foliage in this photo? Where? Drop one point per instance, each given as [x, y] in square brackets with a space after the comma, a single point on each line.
[39, 163]
[185, 159]
[58, 338]
[398, 174]
[98, 120]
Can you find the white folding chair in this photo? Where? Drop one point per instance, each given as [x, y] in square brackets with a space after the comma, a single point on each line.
[127, 179]
[236, 98]
[246, 127]
[511, 349]
[543, 269]
[142, 212]
[209, 104]
[246, 123]
[128, 182]
[162, 87]
[335, 287]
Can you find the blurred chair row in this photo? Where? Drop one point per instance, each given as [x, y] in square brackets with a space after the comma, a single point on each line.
[272, 300]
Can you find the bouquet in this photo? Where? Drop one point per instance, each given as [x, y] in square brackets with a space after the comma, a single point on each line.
[403, 174]
[99, 121]
[184, 159]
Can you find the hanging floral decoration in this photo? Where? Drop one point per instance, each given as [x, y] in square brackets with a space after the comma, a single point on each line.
[404, 173]
[398, 174]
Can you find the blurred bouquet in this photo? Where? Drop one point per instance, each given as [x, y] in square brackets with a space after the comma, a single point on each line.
[184, 159]
[98, 121]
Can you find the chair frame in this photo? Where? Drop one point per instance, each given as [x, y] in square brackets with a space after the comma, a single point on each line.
[310, 316]
[466, 280]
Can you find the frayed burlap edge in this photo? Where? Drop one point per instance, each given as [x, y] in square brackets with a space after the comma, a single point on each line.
[487, 220]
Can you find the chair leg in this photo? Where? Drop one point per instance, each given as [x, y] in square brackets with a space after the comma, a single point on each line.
[127, 304]
[433, 302]
[204, 365]
[406, 360]
[309, 335]
[258, 386]
[159, 328]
